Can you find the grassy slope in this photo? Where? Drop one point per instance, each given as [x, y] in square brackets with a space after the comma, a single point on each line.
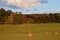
[20, 32]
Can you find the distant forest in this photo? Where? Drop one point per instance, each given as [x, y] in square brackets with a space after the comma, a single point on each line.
[10, 17]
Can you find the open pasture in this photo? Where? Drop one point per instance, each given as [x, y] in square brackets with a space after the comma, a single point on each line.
[50, 31]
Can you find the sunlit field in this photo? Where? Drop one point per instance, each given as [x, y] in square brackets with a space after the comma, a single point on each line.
[48, 31]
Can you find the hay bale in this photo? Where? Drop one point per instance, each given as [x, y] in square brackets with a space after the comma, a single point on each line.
[55, 33]
[30, 35]
[46, 33]
[29, 32]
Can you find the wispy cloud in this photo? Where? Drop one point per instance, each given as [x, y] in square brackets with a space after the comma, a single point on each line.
[21, 3]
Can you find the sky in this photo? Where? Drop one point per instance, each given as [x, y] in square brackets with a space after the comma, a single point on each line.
[31, 6]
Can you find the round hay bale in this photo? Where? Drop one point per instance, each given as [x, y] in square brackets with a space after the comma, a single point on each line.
[38, 30]
[46, 33]
[29, 32]
[55, 33]
[30, 35]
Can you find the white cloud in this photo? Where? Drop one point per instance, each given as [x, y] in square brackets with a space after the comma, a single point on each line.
[24, 3]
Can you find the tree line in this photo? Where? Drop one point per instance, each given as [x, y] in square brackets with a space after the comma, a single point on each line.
[10, 17]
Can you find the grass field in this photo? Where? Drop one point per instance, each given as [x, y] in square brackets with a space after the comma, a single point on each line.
[50, 31]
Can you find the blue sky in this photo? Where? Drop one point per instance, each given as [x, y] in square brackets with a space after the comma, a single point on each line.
[50, 6]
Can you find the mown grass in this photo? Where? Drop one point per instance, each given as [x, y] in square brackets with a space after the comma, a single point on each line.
[20, 32]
